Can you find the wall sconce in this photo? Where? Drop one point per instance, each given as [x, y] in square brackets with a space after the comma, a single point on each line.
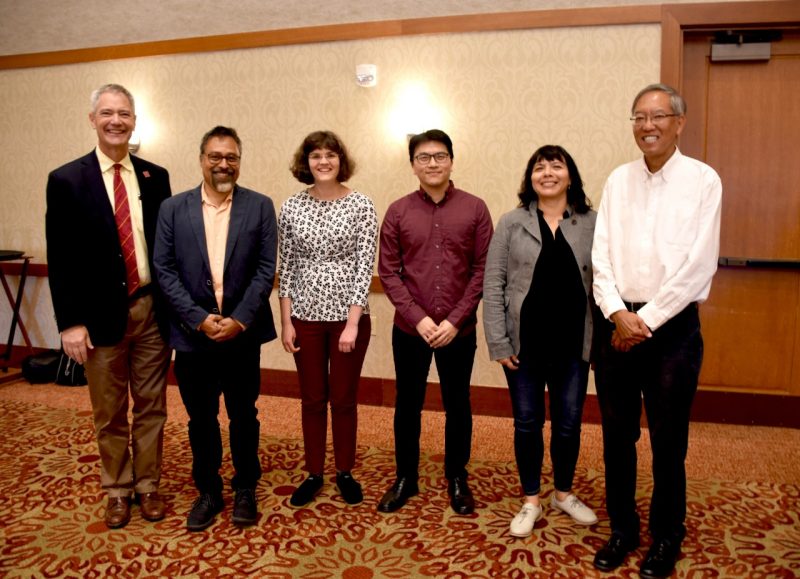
[366, 75]
[134, 143]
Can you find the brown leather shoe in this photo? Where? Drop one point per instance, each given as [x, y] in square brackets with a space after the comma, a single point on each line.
[118, 512]
[152, 506]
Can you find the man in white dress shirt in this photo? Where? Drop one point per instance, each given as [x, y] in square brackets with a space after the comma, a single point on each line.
[655, 251]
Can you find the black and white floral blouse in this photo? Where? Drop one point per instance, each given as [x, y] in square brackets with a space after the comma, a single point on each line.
[327, 251]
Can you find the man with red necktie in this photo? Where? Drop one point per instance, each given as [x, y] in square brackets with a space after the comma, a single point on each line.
[100, 229]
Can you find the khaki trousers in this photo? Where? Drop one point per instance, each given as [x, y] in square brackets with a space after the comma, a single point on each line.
[136, 366]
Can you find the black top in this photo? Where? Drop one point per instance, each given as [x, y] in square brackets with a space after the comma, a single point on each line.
[552, 315]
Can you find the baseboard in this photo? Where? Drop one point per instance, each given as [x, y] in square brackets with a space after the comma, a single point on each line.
[709, 405]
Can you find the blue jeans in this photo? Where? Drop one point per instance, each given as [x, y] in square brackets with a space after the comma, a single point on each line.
[566, 381]
[662, 371]
[412, 361]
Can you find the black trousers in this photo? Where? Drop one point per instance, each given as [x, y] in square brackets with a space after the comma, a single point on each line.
[663, 371]
[412, 362]
[231, 369]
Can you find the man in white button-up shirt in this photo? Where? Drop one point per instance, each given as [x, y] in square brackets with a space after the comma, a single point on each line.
[655, 251]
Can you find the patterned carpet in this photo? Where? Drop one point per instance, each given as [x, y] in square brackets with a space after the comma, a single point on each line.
[51, 513]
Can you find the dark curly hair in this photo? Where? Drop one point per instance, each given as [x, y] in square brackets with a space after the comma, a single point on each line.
[321, 140]
[576, 197]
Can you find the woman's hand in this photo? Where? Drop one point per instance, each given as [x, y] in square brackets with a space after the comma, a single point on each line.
[288, 336]
[347, 339]
[512, 362]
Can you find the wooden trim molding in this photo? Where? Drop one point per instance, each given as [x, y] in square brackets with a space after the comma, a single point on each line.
[675, 18]
[569, 17]
[709, 406]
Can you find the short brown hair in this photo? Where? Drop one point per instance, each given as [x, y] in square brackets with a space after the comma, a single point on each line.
[321, 140]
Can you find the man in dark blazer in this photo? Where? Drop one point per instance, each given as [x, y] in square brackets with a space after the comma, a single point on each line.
[215, 257]
[104, 301]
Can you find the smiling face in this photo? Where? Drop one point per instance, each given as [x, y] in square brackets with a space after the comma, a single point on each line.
[220, 164]
[657, 140]
[324, 166]
[550, 179]
[433, 175]
[114, 121]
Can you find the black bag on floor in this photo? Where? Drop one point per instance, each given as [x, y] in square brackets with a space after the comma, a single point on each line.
[69, 372]
[41, 368]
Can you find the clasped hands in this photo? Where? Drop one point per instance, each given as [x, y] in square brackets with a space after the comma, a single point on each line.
[436, 335]
[630, 330]
[220, 329]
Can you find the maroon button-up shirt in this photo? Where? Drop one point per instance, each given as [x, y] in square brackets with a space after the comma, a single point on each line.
[432, 258]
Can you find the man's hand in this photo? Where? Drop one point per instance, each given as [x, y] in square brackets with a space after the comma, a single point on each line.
[443, 335]
[227, 329]
[210, 325]
[76, 343]
[427, 328]
[630, 330]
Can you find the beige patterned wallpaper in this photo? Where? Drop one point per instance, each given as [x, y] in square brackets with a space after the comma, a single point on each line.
[499, 95]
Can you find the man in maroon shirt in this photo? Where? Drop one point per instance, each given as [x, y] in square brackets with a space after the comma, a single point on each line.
[433, 248]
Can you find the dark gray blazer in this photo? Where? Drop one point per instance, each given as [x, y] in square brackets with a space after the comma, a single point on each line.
[513, 253]
[183, 270]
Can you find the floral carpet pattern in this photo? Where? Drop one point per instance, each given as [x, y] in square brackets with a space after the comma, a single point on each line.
[51, 524]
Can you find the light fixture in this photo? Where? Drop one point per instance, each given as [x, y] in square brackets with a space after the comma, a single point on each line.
[366, 75]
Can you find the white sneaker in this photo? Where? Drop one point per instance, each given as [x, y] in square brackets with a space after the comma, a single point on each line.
[522, 524]
[575, 508]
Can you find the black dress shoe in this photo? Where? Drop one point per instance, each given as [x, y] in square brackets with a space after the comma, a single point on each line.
[460, 496]
[349, 488]
[613, 554]
[307, 490]
[660, 559]
[402, 489]
[203, 512]
[245, 507]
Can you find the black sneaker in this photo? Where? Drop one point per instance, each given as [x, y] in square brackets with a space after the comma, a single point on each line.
[204, 509]
[349, 488]
[306, 492]
[245, 508]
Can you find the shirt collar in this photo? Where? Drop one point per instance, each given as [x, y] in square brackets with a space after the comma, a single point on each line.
[107, 162]
[665, 172]
[207, 200]
[447, 194]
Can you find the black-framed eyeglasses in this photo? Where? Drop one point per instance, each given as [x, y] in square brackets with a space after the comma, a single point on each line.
[656, 119]
[216, 159]
[425, 158]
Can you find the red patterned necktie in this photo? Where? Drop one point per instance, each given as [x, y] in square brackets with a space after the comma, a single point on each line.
[122, 215]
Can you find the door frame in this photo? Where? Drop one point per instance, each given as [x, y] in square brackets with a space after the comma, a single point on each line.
[677, 18]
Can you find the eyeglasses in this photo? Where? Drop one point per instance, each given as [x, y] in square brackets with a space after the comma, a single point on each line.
[329, 156]
[425, 158]
[656, 119]
[216, 159]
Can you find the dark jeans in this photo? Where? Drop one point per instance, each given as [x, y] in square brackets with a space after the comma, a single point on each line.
[233, 370]
[328, 375]
[566, 381]
[663, 370]
[412, 361]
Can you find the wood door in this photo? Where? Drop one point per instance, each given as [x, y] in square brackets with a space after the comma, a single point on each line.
[744, 120]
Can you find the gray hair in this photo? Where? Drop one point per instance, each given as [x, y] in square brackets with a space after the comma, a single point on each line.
[113, 88]
[675, 99]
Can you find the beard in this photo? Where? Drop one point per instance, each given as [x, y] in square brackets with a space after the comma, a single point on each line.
[222, 181]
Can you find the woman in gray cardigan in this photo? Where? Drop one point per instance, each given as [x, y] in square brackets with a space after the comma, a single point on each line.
[538, 323]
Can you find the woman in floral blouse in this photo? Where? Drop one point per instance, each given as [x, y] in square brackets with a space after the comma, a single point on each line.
[327, 249]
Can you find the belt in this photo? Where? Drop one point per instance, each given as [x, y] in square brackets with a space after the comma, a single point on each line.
[140, 292]
[634, 306]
